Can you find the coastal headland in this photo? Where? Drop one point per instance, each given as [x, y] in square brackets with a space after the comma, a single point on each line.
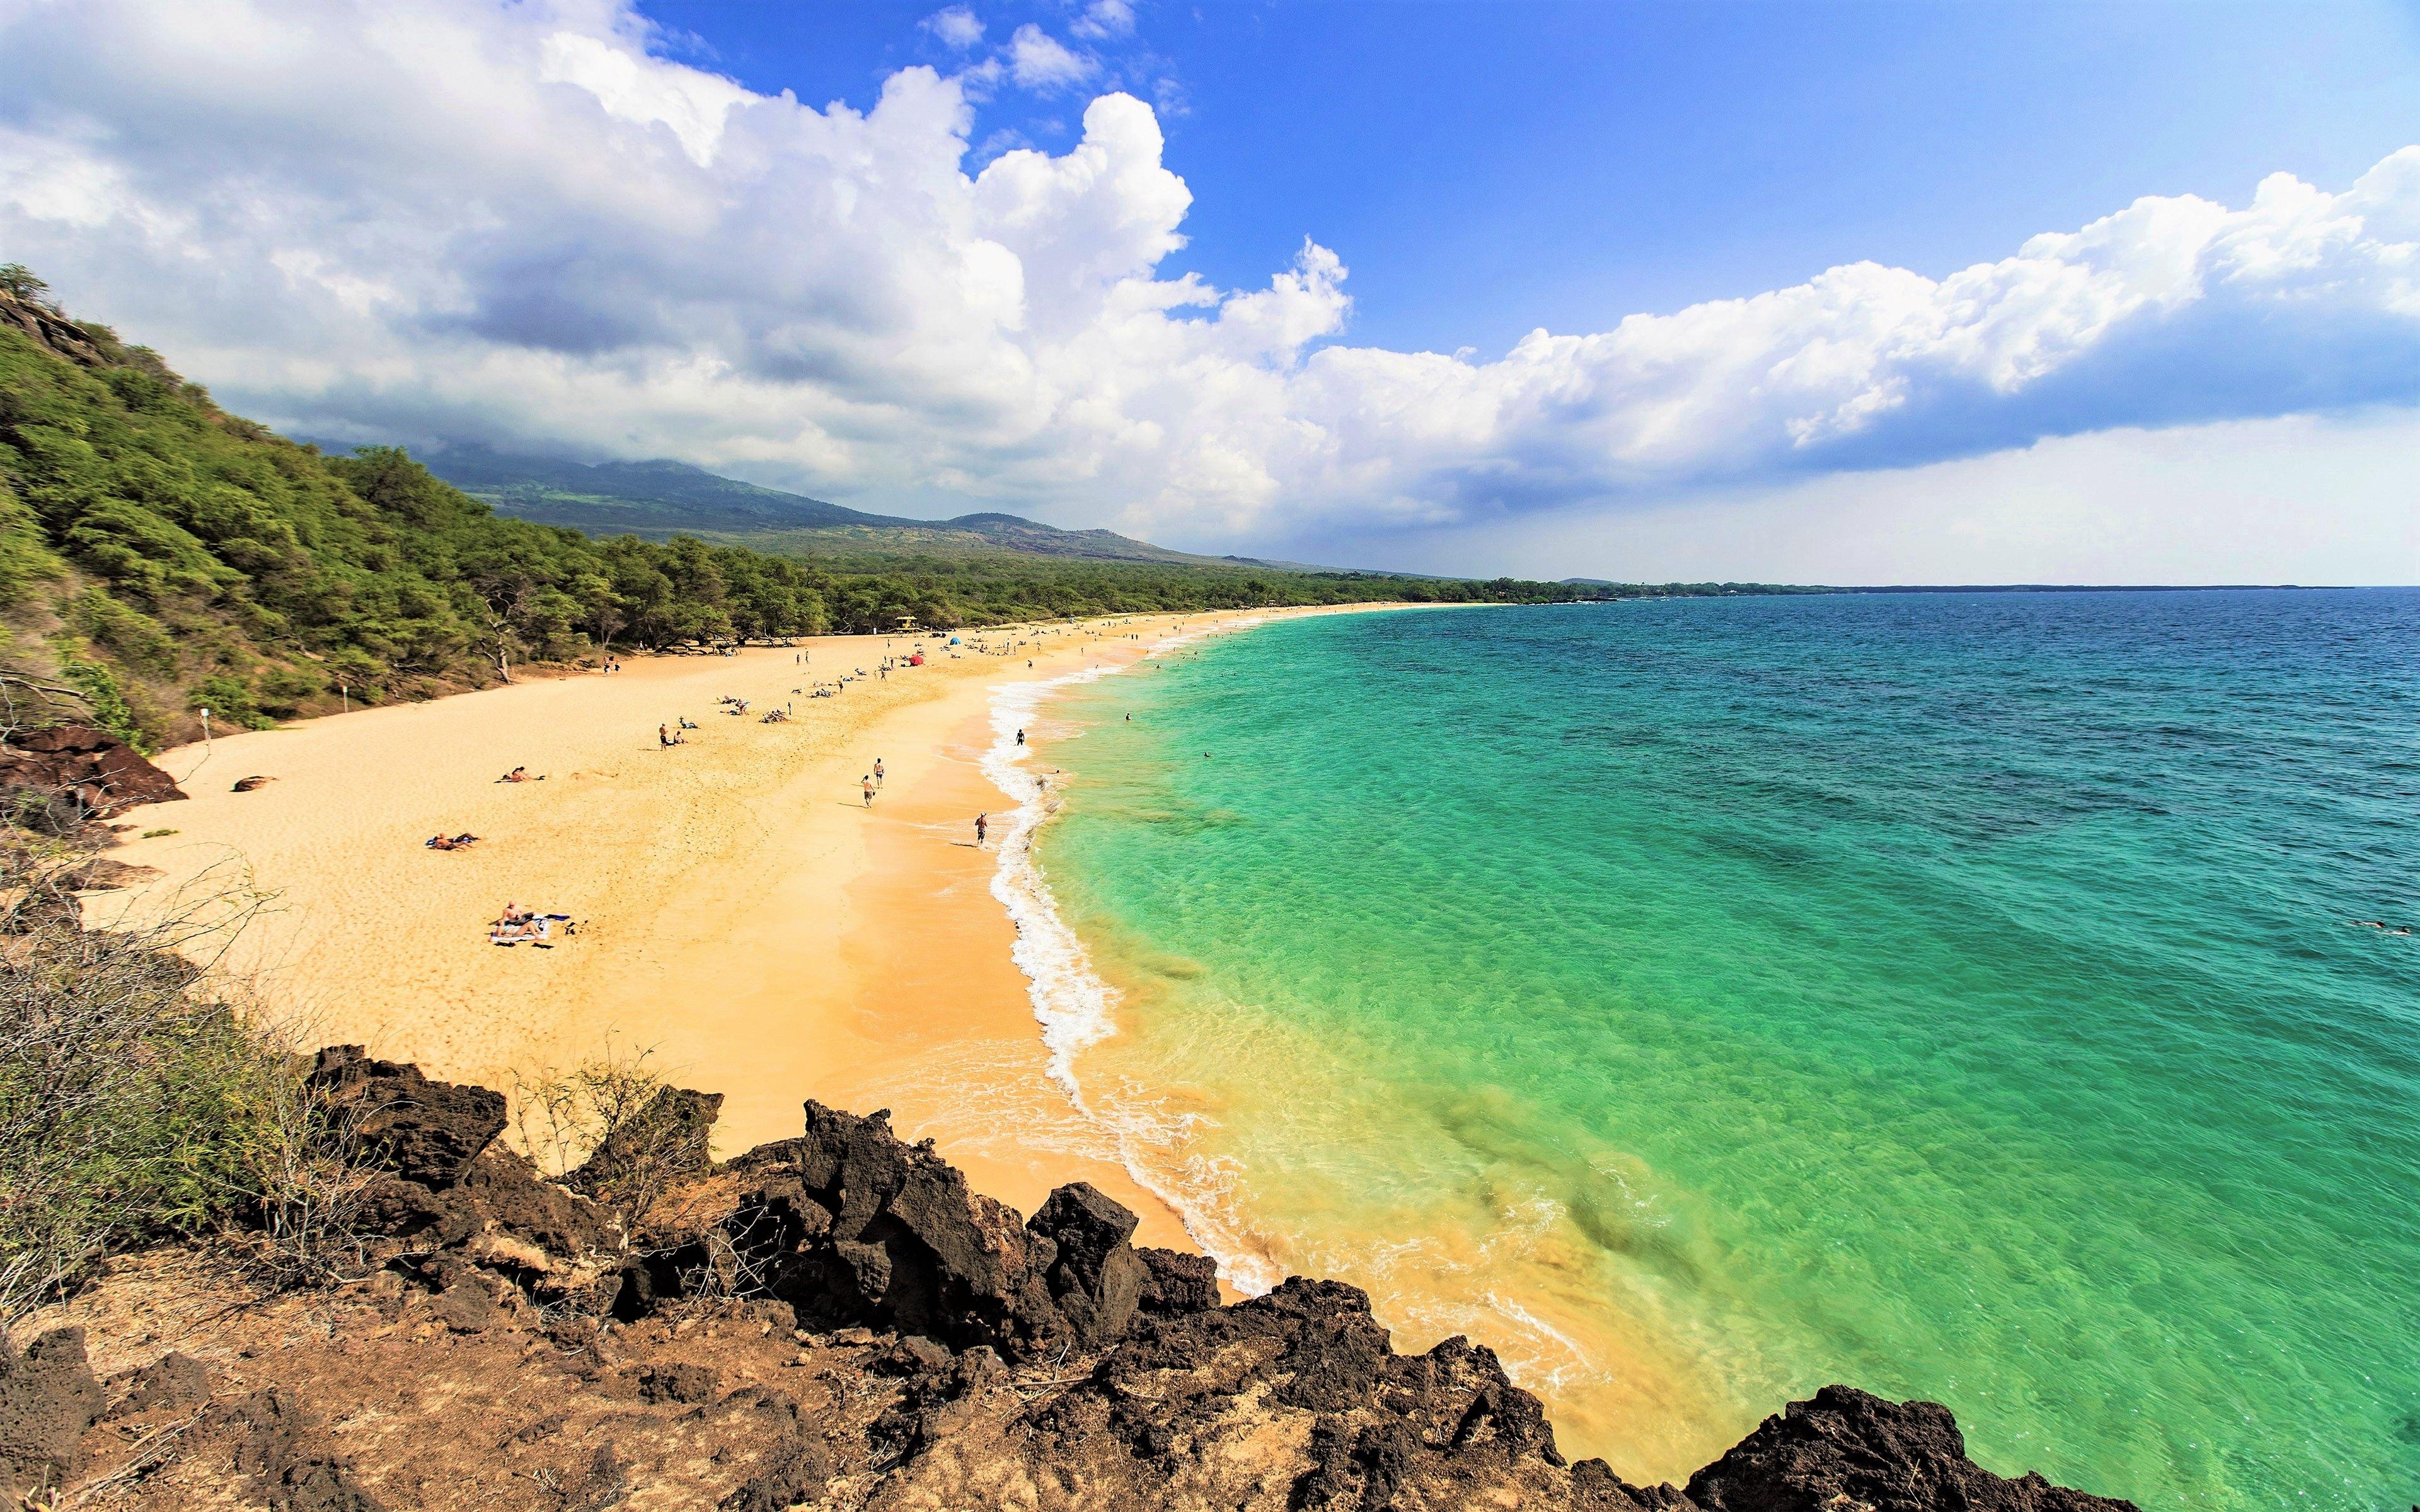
[742, 915]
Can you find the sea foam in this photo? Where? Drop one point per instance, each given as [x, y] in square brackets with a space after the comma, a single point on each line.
[1078, 1008]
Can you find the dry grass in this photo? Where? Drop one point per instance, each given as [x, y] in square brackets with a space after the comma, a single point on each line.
[144, 1094]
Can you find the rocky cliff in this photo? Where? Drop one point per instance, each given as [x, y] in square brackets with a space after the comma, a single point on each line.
[833, 1321]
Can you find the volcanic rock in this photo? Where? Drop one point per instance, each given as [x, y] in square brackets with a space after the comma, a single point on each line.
[80, 772]
[1178, 1283]
[423, 1131]
[672, 1134]
[1096, 1278]
[48, 1397]
[1847, 1448]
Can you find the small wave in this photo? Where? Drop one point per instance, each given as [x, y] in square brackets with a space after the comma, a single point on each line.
[1076, 1009]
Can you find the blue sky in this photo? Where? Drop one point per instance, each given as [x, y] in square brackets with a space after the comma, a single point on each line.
[1821, 292]
[1489, 168]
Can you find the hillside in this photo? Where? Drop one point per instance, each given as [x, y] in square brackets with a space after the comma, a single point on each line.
[160, 556]
[648, 499]
[662, 497]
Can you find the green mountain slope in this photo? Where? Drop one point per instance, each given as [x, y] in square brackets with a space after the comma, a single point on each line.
[649, 498]
[162, 556]
[662, 497]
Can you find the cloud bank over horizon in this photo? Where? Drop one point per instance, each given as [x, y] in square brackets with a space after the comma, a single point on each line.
[461, 222]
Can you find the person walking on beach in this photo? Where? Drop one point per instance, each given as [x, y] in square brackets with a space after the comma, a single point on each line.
[869, 792]
[983, 828]
[1020, 737]
[878, 771]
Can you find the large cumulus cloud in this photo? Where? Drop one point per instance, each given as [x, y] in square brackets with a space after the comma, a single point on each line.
[456, 218]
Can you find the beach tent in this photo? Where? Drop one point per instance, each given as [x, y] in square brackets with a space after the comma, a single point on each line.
[916, 661]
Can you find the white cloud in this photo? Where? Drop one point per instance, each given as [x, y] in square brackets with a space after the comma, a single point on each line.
[471, 219]
[2296, 499]
[1105, 19]
[956, 26]
[1037, 60]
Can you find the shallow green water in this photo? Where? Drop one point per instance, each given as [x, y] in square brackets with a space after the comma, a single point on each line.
[1706, 999]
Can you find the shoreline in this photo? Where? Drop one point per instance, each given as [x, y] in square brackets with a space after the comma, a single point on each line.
[1616, 1386]
[1073, 1001]
[742, 917]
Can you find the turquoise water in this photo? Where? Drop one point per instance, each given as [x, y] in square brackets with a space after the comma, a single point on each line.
[1705, 999]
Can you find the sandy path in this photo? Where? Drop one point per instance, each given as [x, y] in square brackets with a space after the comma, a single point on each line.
[741, 914]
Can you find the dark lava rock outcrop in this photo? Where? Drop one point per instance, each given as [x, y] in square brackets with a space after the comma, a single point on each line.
[48, 1398]
[1847, 1448]
[448, 1188]
[79, 773]
[837, 1321]
[426, 1132]
[850, 1226]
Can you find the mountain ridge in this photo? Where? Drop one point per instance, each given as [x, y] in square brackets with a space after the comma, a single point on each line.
[659, 497]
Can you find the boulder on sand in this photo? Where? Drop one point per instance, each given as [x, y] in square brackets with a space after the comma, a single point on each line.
[80, 772]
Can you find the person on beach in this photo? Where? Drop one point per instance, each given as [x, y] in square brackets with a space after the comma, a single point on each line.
[664, 736]
[878, 771]
[1020, 737]
[869, 792]
[983, 827]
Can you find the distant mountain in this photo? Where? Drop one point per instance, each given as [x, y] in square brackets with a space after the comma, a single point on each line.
[664, 498]
[656, 498]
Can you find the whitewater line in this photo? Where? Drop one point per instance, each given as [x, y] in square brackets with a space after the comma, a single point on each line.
[1076, 1008]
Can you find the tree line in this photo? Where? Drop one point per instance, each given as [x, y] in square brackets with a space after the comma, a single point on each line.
[166, 556]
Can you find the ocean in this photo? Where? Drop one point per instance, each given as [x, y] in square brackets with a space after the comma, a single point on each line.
[1699, 1000]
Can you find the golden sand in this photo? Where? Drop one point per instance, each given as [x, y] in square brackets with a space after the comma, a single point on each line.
[742, 915]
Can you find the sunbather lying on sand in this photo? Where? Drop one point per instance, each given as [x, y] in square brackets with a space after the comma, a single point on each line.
[520, 773]
[457, 843]
[519, 926]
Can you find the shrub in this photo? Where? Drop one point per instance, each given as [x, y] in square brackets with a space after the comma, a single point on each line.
[140, 1098]
[110, 711]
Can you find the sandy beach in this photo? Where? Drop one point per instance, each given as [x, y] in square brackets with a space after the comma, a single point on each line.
[742, 915]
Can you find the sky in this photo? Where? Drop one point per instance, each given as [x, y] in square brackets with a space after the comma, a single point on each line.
[1843, 293]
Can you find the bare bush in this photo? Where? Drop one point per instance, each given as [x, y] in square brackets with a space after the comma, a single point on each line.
[309, 1172]
[594, 1128]
[140, 1094]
